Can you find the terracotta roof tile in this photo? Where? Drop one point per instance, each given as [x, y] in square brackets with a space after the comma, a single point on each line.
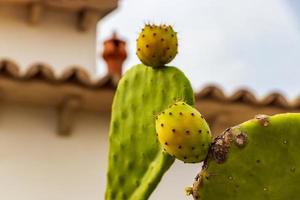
[211, 92]
[276, 99]
[9, 68]
[77, 75]
[40, 71]
[246, 96]
[243, 95]
[296, 103]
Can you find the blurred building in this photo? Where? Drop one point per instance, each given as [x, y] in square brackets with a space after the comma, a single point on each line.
[60, 33]
[54, 115]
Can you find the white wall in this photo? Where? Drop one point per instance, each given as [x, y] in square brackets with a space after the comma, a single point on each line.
[36, 164]
[55, 41]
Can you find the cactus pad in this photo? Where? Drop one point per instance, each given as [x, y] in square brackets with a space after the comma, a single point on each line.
[136, 160]
[258, 159]
[157, 45]
[183, 132]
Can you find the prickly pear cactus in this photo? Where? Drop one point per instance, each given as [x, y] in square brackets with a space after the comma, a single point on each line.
[258, 159]
[183, 132]
[157, 45]
[136, 159]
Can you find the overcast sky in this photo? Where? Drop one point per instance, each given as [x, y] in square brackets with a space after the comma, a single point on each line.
[233, 43]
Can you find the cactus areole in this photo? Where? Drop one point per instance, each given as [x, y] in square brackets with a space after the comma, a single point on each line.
[157, 45]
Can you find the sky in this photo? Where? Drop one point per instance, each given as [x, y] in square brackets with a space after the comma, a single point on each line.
[233, 44]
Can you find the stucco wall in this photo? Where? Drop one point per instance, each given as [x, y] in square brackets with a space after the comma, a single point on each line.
[36, 164]
[55, 41]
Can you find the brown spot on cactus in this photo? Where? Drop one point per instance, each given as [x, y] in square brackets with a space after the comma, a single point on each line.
[241, 140]
[262, 119]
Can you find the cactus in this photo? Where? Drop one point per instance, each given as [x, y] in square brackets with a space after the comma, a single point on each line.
[157, 45]
[183, 132]
[258, 159]
[136, 160]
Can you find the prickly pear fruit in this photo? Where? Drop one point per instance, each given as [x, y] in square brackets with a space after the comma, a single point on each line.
[157, 45]
[258, 159]
[183, 132]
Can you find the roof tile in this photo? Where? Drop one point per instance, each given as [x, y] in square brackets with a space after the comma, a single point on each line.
[77, 75]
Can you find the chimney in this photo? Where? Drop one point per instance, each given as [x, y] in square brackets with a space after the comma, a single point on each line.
[114, 53]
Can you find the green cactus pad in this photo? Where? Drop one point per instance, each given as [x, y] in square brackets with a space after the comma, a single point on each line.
[136, 160]
[183, 132]
[258, 159]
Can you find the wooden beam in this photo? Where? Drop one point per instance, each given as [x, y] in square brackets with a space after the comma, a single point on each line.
[66, 113]
[35, 12]
[87, 19]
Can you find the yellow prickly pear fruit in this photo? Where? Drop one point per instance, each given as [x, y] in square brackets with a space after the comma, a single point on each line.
[183, 133]
[157, 45]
